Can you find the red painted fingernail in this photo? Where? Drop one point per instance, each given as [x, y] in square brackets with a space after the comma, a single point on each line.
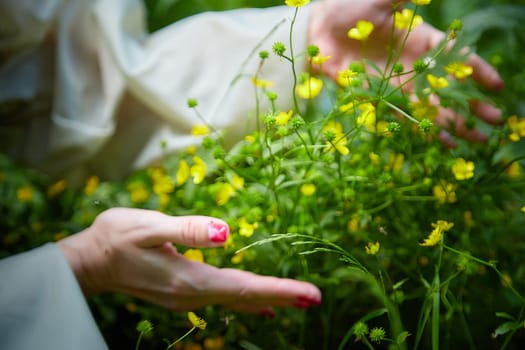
[310, 300]
[301, 304]
[218, 232]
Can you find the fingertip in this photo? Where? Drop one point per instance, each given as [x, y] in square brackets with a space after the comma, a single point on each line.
[218, 231]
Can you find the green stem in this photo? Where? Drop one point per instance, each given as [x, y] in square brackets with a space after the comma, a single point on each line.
[181, 338]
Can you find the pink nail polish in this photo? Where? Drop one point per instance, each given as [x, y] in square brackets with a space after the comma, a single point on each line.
[218, 232]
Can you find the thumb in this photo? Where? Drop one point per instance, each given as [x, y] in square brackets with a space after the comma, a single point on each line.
[191, 231]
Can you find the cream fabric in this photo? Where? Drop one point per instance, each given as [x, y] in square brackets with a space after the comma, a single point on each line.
[102, 94]
[42, 306]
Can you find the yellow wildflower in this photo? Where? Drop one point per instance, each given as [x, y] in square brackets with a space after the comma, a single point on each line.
[200, 130]
[368, 116]
[407, 20]
[163, 184]
[347, 108]
[310, 88]
[237, 258]
[308, 189]
[246, 229]
[345, 77]
[422, 109]
[249, 138]
[196, 321]
[238, 182]
[24, 193]
[194, 255]
[91, 185]
[517, 128]
[513, 170]
[374, 158]
[361, 31]
[320, 59]
[164, 199]
[396, 161]
[436, 235]
[459, 70]
[372, 248]
[339, 139]
[183, 173]
[437, 82]
[296, 3]
[282, 117]
[523, 210]
[138, 193]
[198, 170]
[421, 2]
[261, 82]
[463, 169]
[56, 188]
[191, 150]
[444, 192]
[353, 224]
[223, 195]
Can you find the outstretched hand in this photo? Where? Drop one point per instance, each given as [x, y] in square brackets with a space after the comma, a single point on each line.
[331, 20]
[131, 251]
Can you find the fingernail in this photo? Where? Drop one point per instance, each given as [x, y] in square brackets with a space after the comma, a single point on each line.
[218, 232]
[301, 304]
[310, 300]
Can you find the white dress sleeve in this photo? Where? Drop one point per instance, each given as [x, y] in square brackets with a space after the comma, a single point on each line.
[120, 94]
[42, 306]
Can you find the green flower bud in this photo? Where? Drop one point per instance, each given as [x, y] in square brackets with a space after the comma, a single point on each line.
[357, 67]
[192, 102]
[145, 327]
[360, 329]
[425, 125]
[279, 48]
[207, 142]
[399, 68]
[269, 120]
[312, 50]
[456, 25]
[272, 96]
[419, 66]
[297, 121]
[264, 55]
[377, 334]
[393, 127]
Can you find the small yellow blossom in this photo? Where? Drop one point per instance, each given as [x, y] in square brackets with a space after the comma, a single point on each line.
[191, 150]
[523, 210]
[516, 127]
[238, 182]
[246, 229]
[396, 161]
[462, 169]
[459, 70]
[164, 199]
[200, 130]
[361, 31]
[444, 192]
[308, 189]
[249, 138]
[56, 188]
[91, 185]
[513, 170]
[310, 88]
[374, 158]
[437, 82]
[353, 224]
[339, 139]
[138, 193]
[423, 109]
[345, 77]
[320, 59]
[407, 20]
[198, 170]
[261, 82]
[436, 235]
[421, 2]
[223, 195]
[296, 3]
[163, 185]
[367, 117]
[372, 248]
[348, 108]
[194, 255]
[183, 173]
[237, 258]
[196, 321]
[282, 117]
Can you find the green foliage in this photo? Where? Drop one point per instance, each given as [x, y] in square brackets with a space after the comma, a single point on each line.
[329, 196]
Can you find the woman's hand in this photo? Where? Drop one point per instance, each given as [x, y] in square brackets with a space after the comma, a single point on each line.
[131, 251]
[331, 20]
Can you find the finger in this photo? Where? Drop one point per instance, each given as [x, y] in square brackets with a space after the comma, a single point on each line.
[485, 74]
[155, 228]
[455, 124]
[486, 112]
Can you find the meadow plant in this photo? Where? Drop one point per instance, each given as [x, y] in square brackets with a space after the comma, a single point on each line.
[414, 245]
